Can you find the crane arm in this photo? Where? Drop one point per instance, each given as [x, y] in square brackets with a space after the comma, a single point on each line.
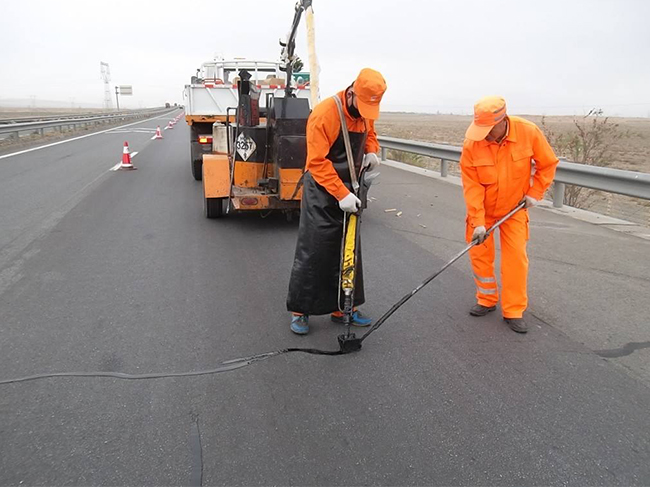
[289, 45]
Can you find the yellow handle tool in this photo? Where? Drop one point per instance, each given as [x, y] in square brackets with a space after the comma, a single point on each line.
[347, 274]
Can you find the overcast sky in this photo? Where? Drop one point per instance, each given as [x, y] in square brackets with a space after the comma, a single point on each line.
[548, 57]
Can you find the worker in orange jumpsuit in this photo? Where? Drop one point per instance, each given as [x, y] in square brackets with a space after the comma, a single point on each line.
[497, 174]
[314, 284]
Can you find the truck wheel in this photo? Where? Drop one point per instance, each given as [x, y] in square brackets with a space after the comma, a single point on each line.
[197, 169]
[214, 207]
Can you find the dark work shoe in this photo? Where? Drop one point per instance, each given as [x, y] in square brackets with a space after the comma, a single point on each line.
[517, 324]
[357, 319]
[480, 310]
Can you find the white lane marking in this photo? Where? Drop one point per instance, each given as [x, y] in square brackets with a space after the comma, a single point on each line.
[76, 138]
[134, 131]
[117, 166]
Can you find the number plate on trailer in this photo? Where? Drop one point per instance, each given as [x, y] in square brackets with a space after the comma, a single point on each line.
[245, 146]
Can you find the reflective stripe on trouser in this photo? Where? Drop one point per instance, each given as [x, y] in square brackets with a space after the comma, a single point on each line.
[513, 235]
[482, 257]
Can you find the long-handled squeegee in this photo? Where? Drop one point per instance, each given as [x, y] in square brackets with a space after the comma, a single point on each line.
[348, 341]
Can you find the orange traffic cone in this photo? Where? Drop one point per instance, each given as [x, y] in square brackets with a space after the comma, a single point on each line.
[170, 125]
[158, 133]
[126, 158]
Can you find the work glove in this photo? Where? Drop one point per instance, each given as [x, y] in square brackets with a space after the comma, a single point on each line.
[350, 203]
[530, 201]
[480, 234]
[370, 161]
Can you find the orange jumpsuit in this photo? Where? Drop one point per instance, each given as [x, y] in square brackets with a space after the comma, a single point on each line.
[323, 129]
[496, 177]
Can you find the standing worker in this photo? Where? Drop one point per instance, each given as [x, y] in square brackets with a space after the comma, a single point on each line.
[314, 287]
[496, 166]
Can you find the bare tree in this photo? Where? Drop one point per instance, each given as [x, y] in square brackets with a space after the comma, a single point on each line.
[590, 143]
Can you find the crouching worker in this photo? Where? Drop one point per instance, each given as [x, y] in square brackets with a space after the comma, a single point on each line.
[314, 284]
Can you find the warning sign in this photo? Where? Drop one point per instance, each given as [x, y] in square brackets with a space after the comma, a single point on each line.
[245, 146]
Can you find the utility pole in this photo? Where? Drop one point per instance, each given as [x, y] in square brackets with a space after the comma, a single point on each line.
[117, 98]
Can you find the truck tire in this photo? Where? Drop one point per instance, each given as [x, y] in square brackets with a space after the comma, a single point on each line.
[196, 156]
[197, 168]
[214, 207]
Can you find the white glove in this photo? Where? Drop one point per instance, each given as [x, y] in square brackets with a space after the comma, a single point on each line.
[530, 202]
[350, 203]
[479, 234]
[370, 161]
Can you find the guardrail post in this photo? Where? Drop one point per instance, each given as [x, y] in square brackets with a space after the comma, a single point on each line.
[558, 195]
[383, 153]
[444, 168]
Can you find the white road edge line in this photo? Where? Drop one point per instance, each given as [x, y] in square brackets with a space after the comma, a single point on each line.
[77, 138]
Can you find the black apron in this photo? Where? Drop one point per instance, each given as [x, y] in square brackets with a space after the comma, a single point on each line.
[314, 284]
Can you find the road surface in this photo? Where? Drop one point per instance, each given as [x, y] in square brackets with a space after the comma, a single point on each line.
[120, 271]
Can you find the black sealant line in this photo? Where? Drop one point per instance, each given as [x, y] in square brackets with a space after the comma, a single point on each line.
[226, 366]
[624, 351]
[347, 343]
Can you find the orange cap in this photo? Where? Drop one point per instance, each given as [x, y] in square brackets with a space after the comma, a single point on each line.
[488, 112]
[369, 87]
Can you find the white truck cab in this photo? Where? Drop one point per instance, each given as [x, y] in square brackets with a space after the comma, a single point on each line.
[214, 89]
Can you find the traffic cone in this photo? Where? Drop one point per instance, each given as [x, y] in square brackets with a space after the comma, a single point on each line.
[158, 133]
[170, 125]
[126, 158]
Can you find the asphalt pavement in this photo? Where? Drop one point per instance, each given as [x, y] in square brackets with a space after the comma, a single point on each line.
[120, 271]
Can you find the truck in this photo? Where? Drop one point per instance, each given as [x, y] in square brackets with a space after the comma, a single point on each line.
[247, 122]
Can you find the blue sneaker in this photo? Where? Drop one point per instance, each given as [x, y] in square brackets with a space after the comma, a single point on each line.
[300, 324]
[357, 319]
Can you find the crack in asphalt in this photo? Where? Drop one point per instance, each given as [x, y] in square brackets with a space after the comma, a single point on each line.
[573, 264]
[627, 349]
[196, 478]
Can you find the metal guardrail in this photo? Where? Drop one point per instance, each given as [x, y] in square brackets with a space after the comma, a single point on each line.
[68, 116]
[628, 183]
[14, 129]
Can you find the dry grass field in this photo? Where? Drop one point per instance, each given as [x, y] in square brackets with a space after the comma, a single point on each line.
[631, 152]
